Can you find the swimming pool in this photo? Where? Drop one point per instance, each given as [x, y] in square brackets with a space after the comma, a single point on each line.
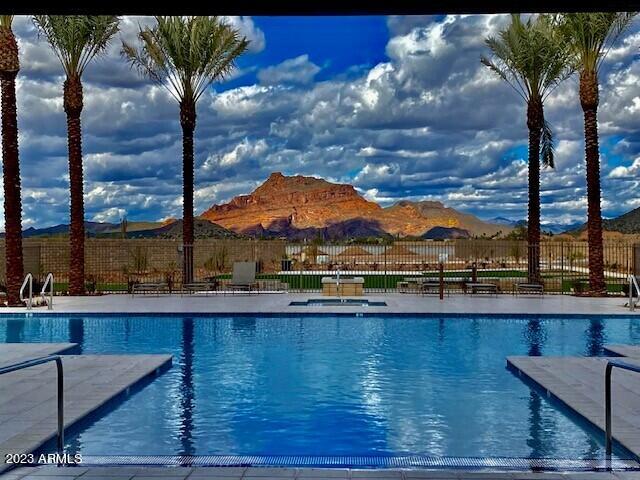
[334, 385]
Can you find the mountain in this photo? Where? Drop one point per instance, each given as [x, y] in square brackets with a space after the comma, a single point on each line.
[168, 229]
[202, 229]
[91, 229]
[297, 207]
[557, 228]
[442, 233]
[626, 223]
[505, 221]
[554, 228]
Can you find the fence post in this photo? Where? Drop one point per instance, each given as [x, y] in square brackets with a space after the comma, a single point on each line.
[441, 277]
[562, 268]
[385, 268]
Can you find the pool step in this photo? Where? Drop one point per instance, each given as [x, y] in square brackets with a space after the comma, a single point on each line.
[28, 398]
[578, 382]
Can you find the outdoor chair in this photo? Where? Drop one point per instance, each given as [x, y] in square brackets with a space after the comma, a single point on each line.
[244, 276]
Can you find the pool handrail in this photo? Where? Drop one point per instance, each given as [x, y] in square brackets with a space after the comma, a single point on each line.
[611, 364]
[28, 280]
[633, 282]
[43, 292]
[39, 361]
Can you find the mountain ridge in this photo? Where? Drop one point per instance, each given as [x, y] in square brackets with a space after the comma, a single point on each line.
[297, 207]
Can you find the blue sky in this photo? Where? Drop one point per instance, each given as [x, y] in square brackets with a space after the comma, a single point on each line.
[400, 107]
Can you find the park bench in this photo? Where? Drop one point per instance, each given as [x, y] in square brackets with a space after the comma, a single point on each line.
[476, 287]
[528, 288]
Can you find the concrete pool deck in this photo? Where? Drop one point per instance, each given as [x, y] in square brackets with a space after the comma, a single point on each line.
[279, 303]
[249, 473]
[28, 398]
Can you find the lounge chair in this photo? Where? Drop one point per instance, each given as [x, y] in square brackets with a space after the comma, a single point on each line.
[149, 287]
[244, 276]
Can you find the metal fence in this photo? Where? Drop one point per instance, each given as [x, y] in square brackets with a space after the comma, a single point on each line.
[114, 265]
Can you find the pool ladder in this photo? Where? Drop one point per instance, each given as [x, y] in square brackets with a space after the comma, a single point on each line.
[28, 282]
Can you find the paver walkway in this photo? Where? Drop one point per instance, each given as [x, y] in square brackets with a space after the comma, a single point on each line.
[28, 398]
[244, 473]
[261, 303]
[579, 383]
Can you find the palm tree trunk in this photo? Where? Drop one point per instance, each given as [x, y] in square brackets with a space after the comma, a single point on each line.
[188, 123]
[73, 108]
[534, 123]
[589, 101]
[9, 67]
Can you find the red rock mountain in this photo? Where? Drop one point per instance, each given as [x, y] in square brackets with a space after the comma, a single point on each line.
[300, 206]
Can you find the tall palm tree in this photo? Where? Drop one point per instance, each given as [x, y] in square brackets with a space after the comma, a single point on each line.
[9, 67]
[530, 58]
[590, 36]
[76, 40]
[185, 55]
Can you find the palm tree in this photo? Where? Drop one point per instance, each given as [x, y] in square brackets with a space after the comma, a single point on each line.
[530, 58]
[185, 55]
[589, 37]
[76, 40]
[9, 67]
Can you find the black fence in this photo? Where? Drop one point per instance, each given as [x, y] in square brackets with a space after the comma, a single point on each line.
[116, 265]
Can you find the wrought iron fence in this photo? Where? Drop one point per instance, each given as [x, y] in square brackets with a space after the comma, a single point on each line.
[115, 265]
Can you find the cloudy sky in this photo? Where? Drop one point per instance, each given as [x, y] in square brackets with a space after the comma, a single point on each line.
[400, 107]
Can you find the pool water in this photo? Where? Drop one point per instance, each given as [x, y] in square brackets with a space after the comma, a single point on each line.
[341, 385]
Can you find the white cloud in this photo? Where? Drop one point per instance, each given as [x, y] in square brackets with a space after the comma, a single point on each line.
[298, 71]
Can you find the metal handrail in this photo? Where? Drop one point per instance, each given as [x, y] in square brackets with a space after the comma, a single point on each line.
[43, 292]
[611, 364]
[28, 280]
[633, 283]
[40, 361]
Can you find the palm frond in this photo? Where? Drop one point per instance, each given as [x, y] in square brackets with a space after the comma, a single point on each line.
[530, 56]
[186, 54]
[590, 36]
[6, 21]
[77, 39]
[547, 149]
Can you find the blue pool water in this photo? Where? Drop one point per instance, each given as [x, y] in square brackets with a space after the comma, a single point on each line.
[319, 385]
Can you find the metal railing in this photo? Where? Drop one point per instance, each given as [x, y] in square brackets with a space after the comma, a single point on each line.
[633, 283]
[40, 361]
[43, 293]
[28, 281]
[611, 364]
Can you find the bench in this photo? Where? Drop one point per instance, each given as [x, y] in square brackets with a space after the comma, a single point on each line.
[149, 287]
[200, 287]
[482, 287]
[432, 287]
[528, 288]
